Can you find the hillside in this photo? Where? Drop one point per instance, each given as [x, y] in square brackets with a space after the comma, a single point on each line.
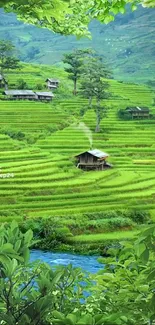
[45, 180]
[127, 44]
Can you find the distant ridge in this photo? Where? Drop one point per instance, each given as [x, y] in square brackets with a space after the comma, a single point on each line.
[127, 44]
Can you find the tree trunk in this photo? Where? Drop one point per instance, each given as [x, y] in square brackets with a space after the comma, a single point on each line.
[97, 129]
[6, 85]
[75, 85]
[90, 102]
[98, 119]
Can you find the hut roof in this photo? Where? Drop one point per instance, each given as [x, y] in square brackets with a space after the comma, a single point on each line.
[45, 94]
[52, 80]
[137, 109]
[96, 153]
[19, 92]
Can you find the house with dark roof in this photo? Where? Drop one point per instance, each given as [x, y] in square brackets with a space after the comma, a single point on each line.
[138, 112]
[44, 96]
[20, 94]
[92, 160]
[29, 95]
[52, 83]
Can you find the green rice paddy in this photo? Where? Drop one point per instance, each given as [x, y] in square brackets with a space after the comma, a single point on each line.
[45, 179]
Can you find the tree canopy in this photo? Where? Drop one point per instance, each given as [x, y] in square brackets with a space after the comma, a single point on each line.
[7, 58]
[69, 16]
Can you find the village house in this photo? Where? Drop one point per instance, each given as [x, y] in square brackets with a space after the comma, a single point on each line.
[20, 94]
[29, 94]
[44, 96]
[52, 83]
[3, 82]
[138, 112]
[92, 160]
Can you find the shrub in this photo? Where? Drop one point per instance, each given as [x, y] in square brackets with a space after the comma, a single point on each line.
[139, 216]
[136, 215]
[108, 224]
[39, 86]
[49, 231]
[14, 134]
[122, 114]
[21, 84]
[52, 128]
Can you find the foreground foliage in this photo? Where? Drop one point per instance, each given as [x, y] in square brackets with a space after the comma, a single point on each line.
[69, 17]
[32, 293]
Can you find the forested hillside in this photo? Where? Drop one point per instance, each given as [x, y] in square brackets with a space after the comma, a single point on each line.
[127, 44]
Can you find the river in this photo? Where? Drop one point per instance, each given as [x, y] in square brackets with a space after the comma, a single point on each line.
[87, 263]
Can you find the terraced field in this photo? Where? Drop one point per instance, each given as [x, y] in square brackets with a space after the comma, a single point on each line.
[45, 179]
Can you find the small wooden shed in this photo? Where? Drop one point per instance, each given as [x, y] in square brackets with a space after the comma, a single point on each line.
[138, 112]
[93, 160]
[52, 83]
[20, 94]
[44, 96]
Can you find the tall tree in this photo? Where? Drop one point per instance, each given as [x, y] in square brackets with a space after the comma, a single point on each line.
[69, 17]
[6, 47]
[75, 63]
[93, 71]
[99, 92]
[7, 59]
[94, 86]
[96, 89]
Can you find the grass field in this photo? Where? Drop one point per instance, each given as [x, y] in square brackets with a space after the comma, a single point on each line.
[46, 181]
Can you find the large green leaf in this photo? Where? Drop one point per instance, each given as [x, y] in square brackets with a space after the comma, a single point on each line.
[72, 319]
[58, 315]
[140, 248]
[86, 319]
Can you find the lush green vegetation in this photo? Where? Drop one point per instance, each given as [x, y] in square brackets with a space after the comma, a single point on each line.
[70, 17]
[34, 294]
[42, 189]
[39, 177]
[127, 44]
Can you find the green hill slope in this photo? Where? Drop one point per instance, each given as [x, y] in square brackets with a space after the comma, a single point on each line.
[127, 44]
[45, 181]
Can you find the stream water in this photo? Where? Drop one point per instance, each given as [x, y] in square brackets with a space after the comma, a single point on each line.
[87, 263]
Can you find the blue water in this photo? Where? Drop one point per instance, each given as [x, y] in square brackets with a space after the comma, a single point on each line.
[87, 263]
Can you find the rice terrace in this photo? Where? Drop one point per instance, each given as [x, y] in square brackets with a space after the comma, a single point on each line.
[46, 181]
[77, 162]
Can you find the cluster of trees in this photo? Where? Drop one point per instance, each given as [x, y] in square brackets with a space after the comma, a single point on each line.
[88, 68]
[34, 294]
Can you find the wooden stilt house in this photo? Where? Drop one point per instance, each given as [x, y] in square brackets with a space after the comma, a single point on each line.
[20, 94]
[138, 112]
[52, 84]
[92, 160]
[44, 96]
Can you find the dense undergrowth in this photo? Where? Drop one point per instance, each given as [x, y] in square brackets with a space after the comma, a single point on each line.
[32, 293]
[61, 234]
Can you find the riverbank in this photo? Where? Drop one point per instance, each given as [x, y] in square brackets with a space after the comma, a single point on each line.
[93, 244]
[50, 234]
